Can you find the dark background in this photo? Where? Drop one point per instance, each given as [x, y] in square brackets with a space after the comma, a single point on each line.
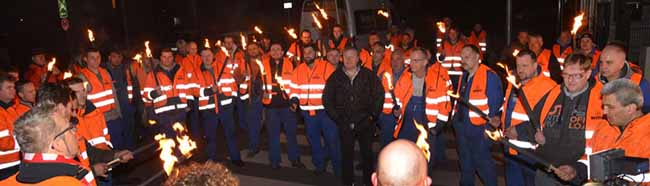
[31, 24]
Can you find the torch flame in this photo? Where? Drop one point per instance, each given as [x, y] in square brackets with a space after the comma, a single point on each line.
[313, 15]
[259, 63]
[147, 49]
[50, 65]
[152, 122]
[389, 79]
[452, 94]
[167, 148]
[322, 11]
[577, 23]
[258, 30]
[511, 78]
[392, 49]
[67, 75]
[218, 43]
[185, 144]
[422, 140]
[243, 40]
[138, 58]
[515, 53]
[441, 26]
[91, 36]
[224, 50]
[291, 32]
[494, 135]
[206, 43]
[383, 13]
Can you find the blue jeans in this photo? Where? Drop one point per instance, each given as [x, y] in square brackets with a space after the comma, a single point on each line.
[315, 125]
[278, 119]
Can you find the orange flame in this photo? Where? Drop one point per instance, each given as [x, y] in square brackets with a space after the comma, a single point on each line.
[167, 148]
[452, 94]
[320, 26]
[494, 135]
[498, 135]
[441, 26]
[383, 13]
[389, 79]
[243, 40]
[138, 58]
[67, 75]
[50, 65]
[577, 23]
[218, 43]
[391, 47]
[322, 11]
[258, 30]
[224, 50]
[152, 122]
[206, 43]
[291, 32]
[147, 49]
[259, 63]
[91, 36]
[422, 140]
[86, 84]
[511, 78]
[515, 53]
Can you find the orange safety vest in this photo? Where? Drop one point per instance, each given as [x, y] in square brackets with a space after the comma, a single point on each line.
[226, 87]
[179, 87]
[478, 94]
[251, 70]
[452, 60]
[9, 149]
[437, 105]
[543, 59]
[594, 117]
[83, 156]
[294, 50]
[594, 59]
[479, 40]
[366, 58]
[100, 91]
[54, 181]
[561, 55]
[307, 85]
[21, 107]
[192, 64]
[87, 180]
[341, 46]
[92, 127]
[535, 89]
[282, 79]
[35, 72]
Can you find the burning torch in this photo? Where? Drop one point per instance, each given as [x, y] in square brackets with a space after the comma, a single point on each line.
[389, 80]
[521, 147]
[577, 23]
[522, 97]
[292, 34]
[442, 27]
[321, 10]
[185, 146]
[383, 13]
[469, 105]
[422, 140]
[50, 67]
[91, 37]
[206, 43]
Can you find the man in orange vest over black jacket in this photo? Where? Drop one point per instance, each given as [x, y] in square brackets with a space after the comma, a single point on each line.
[337, 41]
[550, 66]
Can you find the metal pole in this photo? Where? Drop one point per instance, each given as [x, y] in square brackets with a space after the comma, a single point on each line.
[559, 16]
[508, 21]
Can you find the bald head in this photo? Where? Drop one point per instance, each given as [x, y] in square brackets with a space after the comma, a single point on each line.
[401, 163]
[612, 61]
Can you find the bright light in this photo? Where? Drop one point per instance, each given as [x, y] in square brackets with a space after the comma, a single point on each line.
[287, 5]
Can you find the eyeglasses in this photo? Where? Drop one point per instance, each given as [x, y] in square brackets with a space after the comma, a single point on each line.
[73, 127]
[573, 76]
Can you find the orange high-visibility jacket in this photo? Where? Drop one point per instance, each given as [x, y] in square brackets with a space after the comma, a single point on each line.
[226, 86]
[344, 43]
[83, 157]
[174, 91]
[294, 50]
[22, 107]
[92, 127]
[437, 105]
[192, 64]
[478, 95]
[307, 85]
[594, 116]
[366, 60]
[561, 55]
[594, 58]
[480, 40]
[278, 79]
[250, 70]
[543, 59]
[100, 87]
[9, 149]
[452, 59]
[36, 72]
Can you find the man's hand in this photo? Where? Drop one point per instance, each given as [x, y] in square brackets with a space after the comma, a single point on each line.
[293, 107]
[124, 156]
[511, 133]
[100, 169]
[539, 137]
[495, 121]
[565, 172]
[397, 112]
[158, 90]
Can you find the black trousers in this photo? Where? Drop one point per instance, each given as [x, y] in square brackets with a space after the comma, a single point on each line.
[363, 134]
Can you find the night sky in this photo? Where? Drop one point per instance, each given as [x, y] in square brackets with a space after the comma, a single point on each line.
[31, 24]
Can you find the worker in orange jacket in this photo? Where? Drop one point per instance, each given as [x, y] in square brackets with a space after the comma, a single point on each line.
[192, 64]
[217, 92]
[26, 96]
[380, 62]
[9, 160]
[515, 119]
[37, 71]
[333, 57]
[408, 43]
[588, 47]
[550, 66]
[562, 47]
[420, 100]
[181, 51]
[449, 54]
[622, 102]
[102, 94]
[306, 89]
[337, 41]
[387, 120]
[365, 54]
[478, 37]
[168, 88]
[295, 49]
[251, 90]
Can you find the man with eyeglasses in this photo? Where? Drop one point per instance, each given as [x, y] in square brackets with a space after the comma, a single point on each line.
[569, 116]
